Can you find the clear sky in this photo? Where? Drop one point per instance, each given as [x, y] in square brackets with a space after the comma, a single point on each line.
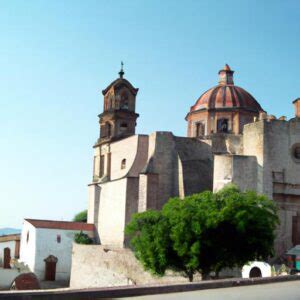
[57, 56]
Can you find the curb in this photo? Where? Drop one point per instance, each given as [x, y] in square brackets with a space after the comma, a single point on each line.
[130, 291]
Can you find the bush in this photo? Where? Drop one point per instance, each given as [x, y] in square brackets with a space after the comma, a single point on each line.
[82, 238]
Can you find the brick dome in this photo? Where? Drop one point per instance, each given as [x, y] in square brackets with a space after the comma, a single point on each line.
[225, 108]
[226, 95]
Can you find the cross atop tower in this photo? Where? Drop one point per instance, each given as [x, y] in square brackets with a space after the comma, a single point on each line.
[121, 73]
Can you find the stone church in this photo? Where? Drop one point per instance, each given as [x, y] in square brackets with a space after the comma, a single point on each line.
[230, 139]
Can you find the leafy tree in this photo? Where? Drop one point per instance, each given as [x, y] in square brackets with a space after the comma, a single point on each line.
[148, 232]
[82, 238]
[205, 232]
[81, 217]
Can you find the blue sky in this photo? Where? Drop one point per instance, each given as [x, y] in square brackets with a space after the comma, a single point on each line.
[57, 56]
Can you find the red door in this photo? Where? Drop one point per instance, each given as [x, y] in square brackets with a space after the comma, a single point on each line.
[6, 262]
[50, 271]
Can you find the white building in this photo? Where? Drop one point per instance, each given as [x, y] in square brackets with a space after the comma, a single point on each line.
[9, 248]
[46, 247]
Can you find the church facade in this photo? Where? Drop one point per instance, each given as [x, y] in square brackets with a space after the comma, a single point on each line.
[230, 139]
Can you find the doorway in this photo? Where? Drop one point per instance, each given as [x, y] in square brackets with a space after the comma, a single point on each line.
[50, 267]
[255, 272]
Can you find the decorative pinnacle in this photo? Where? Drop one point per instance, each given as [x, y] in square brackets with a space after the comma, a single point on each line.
[121, 73]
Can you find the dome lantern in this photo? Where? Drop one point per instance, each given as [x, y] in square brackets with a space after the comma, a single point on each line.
[226, 75]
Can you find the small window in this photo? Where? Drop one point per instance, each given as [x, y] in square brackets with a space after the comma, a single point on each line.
[58, 238]
[123, 164]
[123, 127]
[27, 237]
[296, 152]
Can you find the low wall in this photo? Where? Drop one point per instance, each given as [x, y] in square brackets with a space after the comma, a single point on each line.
[101, 266]
[7, 276]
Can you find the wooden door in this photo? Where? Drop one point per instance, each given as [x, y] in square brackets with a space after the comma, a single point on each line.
[50, 270]
[6, 262]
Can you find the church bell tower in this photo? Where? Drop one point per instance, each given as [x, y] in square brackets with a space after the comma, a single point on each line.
[118, 119]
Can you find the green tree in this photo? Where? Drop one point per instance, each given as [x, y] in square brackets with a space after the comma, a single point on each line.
[148, 233]
[205, 232]
[81, 217]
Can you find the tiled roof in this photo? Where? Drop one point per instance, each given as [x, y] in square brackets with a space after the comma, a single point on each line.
[64, 225]
[226, 96]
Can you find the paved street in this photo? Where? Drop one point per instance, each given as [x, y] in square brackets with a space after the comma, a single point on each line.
[275, 291]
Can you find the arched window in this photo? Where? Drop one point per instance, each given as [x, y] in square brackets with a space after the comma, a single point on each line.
[200, 129]
[124, 100]
[102, 161]
[123, 164]
[111, 102]
[222, 125]
[108, 129]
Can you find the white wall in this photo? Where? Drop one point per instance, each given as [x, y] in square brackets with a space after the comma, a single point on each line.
[46, 244]
[42, 243]
[9, 244]
[124, 149]
[27, 249]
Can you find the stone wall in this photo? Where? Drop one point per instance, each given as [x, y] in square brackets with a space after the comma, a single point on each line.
[163, 161]
[237, 169]
[183, 166]
[268, 166]
[195, 167]
[158, 167]
[101, 266]
[254, 145]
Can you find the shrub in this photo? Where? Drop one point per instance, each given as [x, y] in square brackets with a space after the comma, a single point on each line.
[82, 238]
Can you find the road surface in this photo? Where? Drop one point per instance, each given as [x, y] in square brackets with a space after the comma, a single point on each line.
[274, 291]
